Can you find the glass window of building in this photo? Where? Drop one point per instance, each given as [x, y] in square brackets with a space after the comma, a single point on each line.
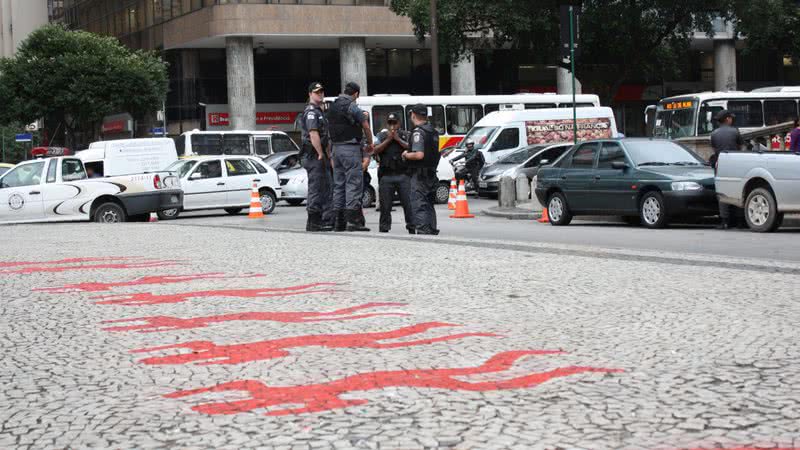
[461, 118]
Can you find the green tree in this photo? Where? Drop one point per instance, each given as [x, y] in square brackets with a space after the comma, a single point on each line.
[76, 78]
[769, 25]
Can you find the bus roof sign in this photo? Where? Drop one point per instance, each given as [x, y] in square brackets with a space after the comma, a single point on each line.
[678, 105]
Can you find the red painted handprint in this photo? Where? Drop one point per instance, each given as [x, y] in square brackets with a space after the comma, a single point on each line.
[327, 396]
[165, 323]
[210, 353]
[162, 279]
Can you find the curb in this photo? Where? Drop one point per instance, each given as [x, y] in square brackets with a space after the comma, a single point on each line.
[512, 213]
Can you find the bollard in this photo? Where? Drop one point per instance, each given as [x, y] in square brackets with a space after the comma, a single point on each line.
[537, 207]
[506, 195]
[522, 188]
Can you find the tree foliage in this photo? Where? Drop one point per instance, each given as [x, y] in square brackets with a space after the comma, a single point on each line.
[77, 78]
[769, 25]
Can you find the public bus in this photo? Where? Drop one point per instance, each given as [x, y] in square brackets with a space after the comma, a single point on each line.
[692, 115]
[454, 115]
[242, 143]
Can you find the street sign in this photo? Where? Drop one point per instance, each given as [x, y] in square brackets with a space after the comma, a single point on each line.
[24, 137]
[32, 127]
[159, 131]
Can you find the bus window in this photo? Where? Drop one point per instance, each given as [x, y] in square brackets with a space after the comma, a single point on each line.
[180, 144]
[748, 113]
[436, 117]
[706, 118]
[461, 118]
[779, 111]
[577, 105]
[236, 144]
[206, 144]
[282, 143]
[490, 108]
[262, 146]
[379, 115]
[539, 105]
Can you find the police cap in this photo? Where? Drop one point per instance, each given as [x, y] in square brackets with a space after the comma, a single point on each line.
[420, 110]
[315, 87]
[392, 118]
[724, 114]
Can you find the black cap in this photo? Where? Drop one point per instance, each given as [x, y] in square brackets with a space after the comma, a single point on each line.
[722, 115]
[352, 86]
[420, 110]
[392, 118]
[315, 86]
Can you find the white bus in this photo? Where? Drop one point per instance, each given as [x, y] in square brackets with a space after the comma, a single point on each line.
[692, 115]
[241, 143]
[454, 115]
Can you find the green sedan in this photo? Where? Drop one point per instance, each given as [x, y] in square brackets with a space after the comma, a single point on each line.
[643, 180]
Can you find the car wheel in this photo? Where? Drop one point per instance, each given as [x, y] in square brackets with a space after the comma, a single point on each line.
[761, 211]
[652, 212]
[368, 198]
[233, 211]
[295, 201]
[268, 201]
[442, 193]
[168, 214]
[633, 221]
[109, 213]
[557, 210]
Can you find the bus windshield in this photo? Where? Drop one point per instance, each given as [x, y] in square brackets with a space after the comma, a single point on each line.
[673, 124]
[479, 135]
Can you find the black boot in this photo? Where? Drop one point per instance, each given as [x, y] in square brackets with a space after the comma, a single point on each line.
[354, 220]
[315, 223]
[339, 224]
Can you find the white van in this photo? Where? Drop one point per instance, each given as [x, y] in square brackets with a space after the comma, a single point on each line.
[503, 132]
[235, 143]
[128, 156]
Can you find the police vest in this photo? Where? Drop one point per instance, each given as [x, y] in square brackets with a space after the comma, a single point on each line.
[431, 158]
[343, 128]
[391, 159]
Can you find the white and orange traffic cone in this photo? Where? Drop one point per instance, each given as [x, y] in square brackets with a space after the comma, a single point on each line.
[545, 218]
[153, 217]
[462, 208]
[256, 212]
[451, 202]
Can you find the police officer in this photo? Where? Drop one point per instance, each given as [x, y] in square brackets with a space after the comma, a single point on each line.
[422, 158]
[393, 174]
[726, 138]
[315, 159]
[348, 125]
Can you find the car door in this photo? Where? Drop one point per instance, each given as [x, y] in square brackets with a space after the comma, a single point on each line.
[614, 191]
[205, 186]
[240, 177]
[62, 200]
[531, 167]
[577, 178]
[20, 193]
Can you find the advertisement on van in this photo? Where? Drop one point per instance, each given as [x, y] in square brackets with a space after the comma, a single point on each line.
[560, 130]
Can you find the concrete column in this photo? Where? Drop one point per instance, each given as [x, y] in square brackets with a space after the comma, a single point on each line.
[6, 39]
[353, 62]
[241, 83]
[564, 82]
[462, 76]
[724, 65]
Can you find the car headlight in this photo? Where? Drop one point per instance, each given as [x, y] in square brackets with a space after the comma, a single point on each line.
[686, 186]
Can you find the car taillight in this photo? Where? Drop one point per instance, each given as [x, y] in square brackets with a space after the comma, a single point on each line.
[157, 182]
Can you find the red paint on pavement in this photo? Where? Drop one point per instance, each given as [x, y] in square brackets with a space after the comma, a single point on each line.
[166, 323]
[60, 261]
[210, 353]
[148, 298]
[110, 266]
[327, 396]
[162, 279]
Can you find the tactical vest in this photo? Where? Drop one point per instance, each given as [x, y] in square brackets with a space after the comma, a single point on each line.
[431, 158]
[343, 128]
[391, 160]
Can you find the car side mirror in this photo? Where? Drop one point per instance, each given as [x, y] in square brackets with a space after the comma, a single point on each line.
[195, 176]
[619, 165]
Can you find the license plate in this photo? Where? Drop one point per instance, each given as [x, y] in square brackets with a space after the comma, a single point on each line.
[483, 184]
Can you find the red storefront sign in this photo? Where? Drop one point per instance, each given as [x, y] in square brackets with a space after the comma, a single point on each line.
[116, 126]
[221, 119]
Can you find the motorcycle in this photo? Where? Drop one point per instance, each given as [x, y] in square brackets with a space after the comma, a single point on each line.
[461, 173]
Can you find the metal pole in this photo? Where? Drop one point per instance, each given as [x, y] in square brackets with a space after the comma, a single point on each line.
[434, 49]
[164, 118]
[572, 63]
[3, 144]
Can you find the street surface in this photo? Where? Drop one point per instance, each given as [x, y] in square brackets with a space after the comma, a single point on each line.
[210, 332]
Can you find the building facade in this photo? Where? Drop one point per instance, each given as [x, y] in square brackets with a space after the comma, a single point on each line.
[247, 63]
[18, 18]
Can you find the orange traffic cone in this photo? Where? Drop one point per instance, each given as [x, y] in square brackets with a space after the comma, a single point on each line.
[462, 208]
[256, 212]
[153, 217]
[544, 218]
[451, 203]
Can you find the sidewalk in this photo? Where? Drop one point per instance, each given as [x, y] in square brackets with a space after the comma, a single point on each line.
[523, 211]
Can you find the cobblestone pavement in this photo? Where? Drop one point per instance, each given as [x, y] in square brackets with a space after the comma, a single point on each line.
[157, 335]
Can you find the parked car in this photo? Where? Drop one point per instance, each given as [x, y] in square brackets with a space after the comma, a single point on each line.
[224, 182]
[283, 161]
[765, 184]
[294, 184]
[526, 161]
[651, 181]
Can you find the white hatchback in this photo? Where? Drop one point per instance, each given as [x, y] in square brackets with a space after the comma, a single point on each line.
[224, 182]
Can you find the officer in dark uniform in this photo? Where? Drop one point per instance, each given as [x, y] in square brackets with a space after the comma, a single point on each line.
[348, 125]
[726, 138]
[314, 157]
[423, 158]
[393, 173]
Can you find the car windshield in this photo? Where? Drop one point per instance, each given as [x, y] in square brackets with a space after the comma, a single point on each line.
[661, 153]
[479, 135]
[519, 157]
[180, 167]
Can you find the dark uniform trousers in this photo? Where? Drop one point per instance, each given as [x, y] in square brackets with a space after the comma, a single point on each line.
[318, 201]
[348, 177]
[389, 184]
[423, 197]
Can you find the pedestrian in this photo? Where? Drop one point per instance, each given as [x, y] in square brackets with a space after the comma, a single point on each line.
[726, 138]
[348, 126]
[393, 174]
[314, 155]
[422, 158]
[794, 137]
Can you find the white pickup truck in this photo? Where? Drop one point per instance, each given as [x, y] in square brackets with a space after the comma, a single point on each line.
[58, 189]
[765, 184]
